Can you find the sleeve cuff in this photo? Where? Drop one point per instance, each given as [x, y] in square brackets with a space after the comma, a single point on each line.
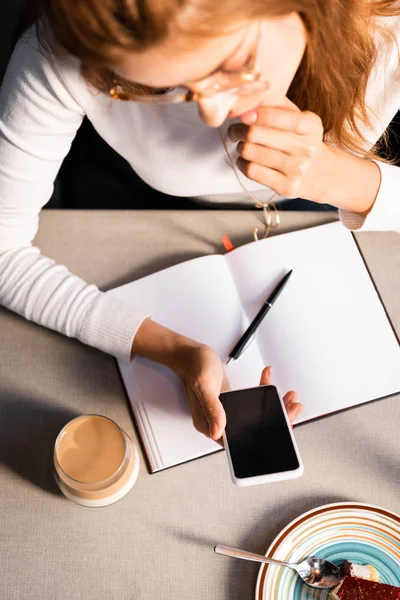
[111, 326]
[385, 213]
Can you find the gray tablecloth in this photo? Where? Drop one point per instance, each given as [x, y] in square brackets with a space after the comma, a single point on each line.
[157, 543]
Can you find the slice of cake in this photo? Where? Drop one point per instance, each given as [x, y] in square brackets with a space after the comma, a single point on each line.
[353, 570]
[362, 571]
[355, 588]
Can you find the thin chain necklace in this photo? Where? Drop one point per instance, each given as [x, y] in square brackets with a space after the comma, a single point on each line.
[272, 218]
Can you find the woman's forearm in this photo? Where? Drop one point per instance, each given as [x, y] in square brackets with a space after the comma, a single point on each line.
[158, 343]
[351, 183]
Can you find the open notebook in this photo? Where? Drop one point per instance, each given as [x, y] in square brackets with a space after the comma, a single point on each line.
[327, 335]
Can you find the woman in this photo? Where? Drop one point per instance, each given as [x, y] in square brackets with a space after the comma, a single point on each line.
[301, 90]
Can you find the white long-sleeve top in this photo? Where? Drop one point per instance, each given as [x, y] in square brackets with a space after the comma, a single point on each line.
[43, 100]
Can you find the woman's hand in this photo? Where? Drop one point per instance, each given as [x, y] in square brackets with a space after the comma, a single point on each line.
[283, 149]
[290, 399]
[202, 373]
[197, 365]
[203, 376]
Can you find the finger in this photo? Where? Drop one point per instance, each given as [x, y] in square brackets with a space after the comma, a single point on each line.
[226, 387]
[199, 418]
[200, 421]
[290, 398]
[279, 118]
[277, 181]
[266, 157]
[292, 405]
[286, 119]
[213, 411]
[279, 139]
[220, 442]
[266, 376]
[294, 411]
[251, 116]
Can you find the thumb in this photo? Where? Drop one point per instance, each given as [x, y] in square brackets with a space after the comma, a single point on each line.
[213, 412]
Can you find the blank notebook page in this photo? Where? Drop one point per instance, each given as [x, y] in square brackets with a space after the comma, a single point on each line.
[198, 299]
[327, 335]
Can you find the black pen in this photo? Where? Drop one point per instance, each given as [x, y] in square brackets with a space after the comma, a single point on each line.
[240, 346]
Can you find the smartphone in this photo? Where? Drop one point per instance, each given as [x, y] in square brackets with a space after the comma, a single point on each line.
[258, 437]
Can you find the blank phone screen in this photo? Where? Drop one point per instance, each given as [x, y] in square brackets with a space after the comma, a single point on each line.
[257, 432]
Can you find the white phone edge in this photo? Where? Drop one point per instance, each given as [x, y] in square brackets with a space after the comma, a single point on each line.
[272, 477]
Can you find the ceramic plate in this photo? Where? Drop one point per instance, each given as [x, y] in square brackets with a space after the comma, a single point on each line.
[356, 532]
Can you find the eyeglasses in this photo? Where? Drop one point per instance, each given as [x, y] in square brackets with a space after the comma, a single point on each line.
[270, 212]
[271, 217]
[243, 82]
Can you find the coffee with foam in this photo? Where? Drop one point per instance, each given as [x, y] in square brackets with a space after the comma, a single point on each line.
[95, 461]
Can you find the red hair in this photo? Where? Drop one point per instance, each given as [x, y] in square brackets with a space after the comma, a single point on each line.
[331, 80]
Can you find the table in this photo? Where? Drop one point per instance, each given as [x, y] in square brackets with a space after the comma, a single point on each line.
[157, 543]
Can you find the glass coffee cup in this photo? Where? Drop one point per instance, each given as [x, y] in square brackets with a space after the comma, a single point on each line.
[95, 462]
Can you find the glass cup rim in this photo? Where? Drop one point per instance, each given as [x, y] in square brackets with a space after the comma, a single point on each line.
[87, 483]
